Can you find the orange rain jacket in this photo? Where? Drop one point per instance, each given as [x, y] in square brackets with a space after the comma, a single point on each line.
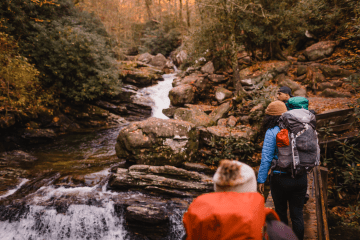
[227, 216]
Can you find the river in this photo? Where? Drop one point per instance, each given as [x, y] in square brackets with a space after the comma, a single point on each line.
[65, 195]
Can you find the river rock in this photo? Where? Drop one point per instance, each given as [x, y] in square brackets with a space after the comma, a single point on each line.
[194, 116]
[191, 79]
[217, 78]
[222, 122]
[332, 70]
[182, 94]
[17, 158]
[199, 167]
[169, 112]
[208, 68]
[335, 94]
[320, 50]
[190, 70]
[148, 214]
[118, 109]
[222, 93]
[139, 74]
[231, 122]
[283, 80]
[201, 107]
[221, 111]
[158, 61]
[215, 133]
[180, 57]
[167, 177]
[38, 135]
[247, 82]
[145, 57]
[325, 85]
[301, 70]
[158, 142]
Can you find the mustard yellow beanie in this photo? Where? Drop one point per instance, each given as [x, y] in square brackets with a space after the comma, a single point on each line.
[276, 108]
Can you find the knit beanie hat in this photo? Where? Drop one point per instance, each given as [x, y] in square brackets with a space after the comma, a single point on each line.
[276, 108]
[234, 176]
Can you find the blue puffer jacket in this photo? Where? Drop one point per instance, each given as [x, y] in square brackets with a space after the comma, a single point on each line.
[269, 152]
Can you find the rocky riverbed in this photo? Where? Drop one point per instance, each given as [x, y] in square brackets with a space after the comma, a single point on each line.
[132, 179]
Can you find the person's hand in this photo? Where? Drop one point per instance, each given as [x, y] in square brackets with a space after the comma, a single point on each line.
[261, 187]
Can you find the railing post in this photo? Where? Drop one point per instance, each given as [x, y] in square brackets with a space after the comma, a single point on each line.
[321, 204]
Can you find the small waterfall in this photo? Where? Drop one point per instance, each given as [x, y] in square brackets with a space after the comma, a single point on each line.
[177, 230]
[78, 222]
[160, 94]
[87, 210]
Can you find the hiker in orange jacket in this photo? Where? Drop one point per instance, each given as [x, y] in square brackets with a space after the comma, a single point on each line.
[234, 211]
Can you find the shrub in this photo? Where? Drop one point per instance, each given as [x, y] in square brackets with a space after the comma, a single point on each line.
[160, 38]
[70, 48]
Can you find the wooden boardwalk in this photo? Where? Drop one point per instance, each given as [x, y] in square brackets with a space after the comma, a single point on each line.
[310, 219]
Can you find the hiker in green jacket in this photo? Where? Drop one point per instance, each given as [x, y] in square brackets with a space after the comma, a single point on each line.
[291, 102]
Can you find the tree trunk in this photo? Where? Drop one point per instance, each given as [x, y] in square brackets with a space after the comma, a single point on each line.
[175, 13]
[148, 9]
[160, 12]
[235, 67]
[276, 52]
[187, 13]
[180, 11]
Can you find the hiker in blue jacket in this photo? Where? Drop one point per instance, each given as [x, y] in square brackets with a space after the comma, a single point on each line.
[283, 187]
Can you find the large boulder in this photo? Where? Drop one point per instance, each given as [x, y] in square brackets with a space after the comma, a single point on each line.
[158, 142]
[139, 74]
[296, 88]
[215, 133]
[145, 57]
[39, 135]
[16, 158]
[208, 68]
[180, 57]
[335, 94]
[158, 61]
[171, 180]
[320, 50]
[332, 70]
[199, 81]
[194, 116]
[182, 94]
[191, 79]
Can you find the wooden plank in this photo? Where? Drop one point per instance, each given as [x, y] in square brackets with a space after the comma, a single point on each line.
[334, 114]
[324, 177]
[318, 207]
[325, 228]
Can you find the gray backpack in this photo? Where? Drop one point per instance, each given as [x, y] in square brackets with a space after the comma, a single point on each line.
[300, 152]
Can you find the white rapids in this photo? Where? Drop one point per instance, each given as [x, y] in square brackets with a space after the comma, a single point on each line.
[160, 94]
[12, 191]
[79, 219]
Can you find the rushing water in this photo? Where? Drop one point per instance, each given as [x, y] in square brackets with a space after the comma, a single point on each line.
[160, 94]
[66, 194]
